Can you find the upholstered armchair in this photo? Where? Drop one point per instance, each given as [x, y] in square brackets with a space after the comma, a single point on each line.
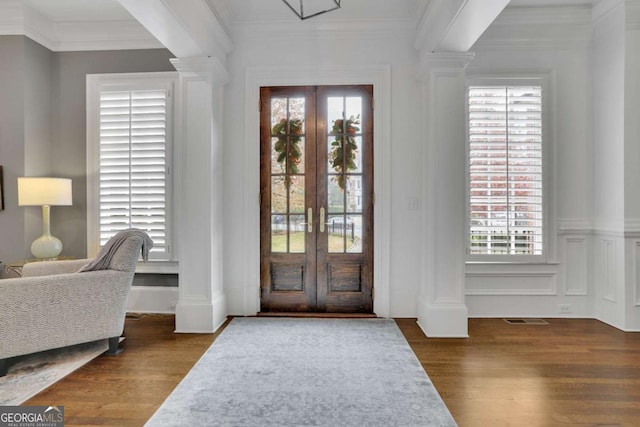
[55, 305]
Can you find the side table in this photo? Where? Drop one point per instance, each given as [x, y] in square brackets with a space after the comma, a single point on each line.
[15, 267]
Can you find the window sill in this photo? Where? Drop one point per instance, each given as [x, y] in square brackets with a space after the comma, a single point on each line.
[157, 267]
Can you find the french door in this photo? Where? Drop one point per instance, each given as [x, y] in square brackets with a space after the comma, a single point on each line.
[316, 199]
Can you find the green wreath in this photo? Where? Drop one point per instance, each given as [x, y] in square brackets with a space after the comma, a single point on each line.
[343, 156]
[291, 158]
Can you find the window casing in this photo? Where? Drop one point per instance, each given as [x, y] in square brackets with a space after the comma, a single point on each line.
[129, 159]
[506, 170]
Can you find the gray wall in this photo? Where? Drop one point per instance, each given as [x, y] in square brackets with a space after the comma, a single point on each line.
[43, 132]
[37, 127]
[12, 154]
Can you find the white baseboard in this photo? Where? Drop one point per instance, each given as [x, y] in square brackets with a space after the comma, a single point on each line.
[445, 321]
[201, 315]
[152, 299]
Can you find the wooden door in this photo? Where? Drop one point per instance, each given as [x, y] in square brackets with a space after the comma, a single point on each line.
[316, 199]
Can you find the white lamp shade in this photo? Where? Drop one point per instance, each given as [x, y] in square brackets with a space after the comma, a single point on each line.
[35, 191]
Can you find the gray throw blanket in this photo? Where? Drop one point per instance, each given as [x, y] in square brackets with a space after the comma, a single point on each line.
[104, 257]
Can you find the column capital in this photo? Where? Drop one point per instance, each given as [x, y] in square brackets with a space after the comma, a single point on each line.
[210, 67]
[443, 61]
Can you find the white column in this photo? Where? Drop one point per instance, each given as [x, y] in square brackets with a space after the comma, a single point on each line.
[441, 305]
[201, 305]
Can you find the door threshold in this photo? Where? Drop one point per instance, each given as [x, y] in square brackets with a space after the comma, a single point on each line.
[321, 315]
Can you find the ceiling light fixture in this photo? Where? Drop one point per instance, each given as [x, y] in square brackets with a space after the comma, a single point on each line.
[313, 7]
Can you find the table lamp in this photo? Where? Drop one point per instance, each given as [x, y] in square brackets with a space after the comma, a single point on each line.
[45, 192]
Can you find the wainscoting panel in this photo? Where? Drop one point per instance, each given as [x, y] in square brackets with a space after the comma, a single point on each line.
[576, 253]
[609, 269]
[511, 283]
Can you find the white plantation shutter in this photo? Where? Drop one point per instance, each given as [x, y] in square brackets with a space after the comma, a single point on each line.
[133, 165]
[505, 170]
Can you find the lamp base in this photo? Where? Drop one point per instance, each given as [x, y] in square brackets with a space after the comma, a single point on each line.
[46, 246]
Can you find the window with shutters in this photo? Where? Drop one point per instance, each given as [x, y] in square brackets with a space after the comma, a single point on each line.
[129, 145]
[506, 143]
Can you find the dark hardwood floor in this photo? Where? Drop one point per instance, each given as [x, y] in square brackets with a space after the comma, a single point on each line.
[126, 390]
[566, 373]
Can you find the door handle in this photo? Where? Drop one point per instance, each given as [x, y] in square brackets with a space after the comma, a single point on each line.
[310, 220]
[322, 223]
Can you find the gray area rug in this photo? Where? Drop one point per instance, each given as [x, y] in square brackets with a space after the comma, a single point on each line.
[29, 375]
[306, 372]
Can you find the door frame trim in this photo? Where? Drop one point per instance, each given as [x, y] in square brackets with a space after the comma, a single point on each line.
[380, 78]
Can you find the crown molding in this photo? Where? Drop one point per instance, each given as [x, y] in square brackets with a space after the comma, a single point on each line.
[38, 28]
[17, 18]
[111, 35]
[373, 28]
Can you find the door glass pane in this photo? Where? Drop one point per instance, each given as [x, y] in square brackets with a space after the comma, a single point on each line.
[336, 233]
[278, 195]
[355, 144]
[278, 233]
[344, 181]
[276, 147]
[335, 195]
[354, 194]
[296, 195]
[353, 107]
[297, 233]
[344, 140]
[297, 113]
[335, 110]
[278, 110]
[287, 155]
[354, 233]
[296, 153]
[287, 174]
[292, 109]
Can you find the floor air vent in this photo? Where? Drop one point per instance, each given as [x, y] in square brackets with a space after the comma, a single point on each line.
[526, 321]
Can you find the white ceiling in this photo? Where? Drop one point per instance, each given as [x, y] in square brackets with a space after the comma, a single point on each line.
[259, 10]
[234, 10]
[80, 24]
[255, 10]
